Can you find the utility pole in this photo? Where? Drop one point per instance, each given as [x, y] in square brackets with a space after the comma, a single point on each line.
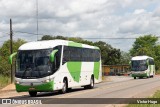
[37, 16]
[11, 50]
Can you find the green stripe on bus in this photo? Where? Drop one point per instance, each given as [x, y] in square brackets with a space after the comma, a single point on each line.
[74, 44]
[150, 70]
[75, 70]
[96, 69]
[139, 75]
[43, 87]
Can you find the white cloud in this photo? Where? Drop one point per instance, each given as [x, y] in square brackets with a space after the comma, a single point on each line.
[136, 23]
[17, 8]
[156, 12]
[83, 18]
[139, 11]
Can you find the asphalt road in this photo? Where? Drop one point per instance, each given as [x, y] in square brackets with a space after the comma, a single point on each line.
[126, 87]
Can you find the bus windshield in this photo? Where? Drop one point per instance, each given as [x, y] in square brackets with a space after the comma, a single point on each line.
[33, 63]
[139, 65]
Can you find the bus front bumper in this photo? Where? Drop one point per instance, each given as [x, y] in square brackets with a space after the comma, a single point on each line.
[139, 75]
[39, 88]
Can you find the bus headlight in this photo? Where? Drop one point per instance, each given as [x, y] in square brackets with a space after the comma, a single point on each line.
[48, 80]
[17, 82]
[45, 81]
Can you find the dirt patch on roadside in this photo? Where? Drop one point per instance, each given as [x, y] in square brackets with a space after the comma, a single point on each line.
[8, 87]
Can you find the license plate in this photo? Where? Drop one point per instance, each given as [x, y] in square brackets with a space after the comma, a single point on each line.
[31, 88]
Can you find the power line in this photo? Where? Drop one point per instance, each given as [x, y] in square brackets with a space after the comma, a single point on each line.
[82, 38]
[25, 32]
[108, 38]
[4, 32]
[2, 41]
[2, 36]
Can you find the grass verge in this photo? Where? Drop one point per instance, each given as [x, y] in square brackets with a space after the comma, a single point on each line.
[156, 95]
[4, 80]
[157, 72]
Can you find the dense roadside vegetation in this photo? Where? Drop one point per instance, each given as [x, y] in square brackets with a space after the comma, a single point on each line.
[4, 65]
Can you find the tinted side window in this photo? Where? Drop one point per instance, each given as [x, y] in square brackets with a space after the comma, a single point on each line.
[75, 53]
[66, 54]
[85, 54]
[97, 55]
[57, 60]
[80, 54]
[151, 61]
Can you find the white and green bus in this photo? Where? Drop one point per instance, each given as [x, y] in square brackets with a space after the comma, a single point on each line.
[45, 66]
[142, 66]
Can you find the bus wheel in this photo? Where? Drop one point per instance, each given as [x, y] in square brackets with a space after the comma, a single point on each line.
[69, 89]
[32, 93]
[91, 85]
[64, 88]
[134, 77]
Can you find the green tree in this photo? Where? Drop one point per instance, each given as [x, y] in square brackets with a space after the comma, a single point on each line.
[147, 45]
[109, 55]
[157, 57]
[105, 49]
[47, 37]
[125, 57]
[144, 45]
[4, 54]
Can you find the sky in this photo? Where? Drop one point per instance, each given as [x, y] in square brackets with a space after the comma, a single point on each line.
[87, 19]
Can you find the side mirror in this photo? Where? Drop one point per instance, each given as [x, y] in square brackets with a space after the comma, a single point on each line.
[11, 57]
[64, 62]
[130, 64]
[52, 55]
[147, 62]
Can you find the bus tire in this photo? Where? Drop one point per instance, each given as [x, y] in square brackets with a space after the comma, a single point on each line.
[69, 89]
[149, 76]
[134, 77]
[91, 85]
[33, 93]
[64, 88]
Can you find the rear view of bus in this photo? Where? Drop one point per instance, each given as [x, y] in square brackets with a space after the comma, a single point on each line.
[142, 66]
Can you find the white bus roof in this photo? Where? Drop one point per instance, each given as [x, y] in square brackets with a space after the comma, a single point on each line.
[52, 43]
[141, 58]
